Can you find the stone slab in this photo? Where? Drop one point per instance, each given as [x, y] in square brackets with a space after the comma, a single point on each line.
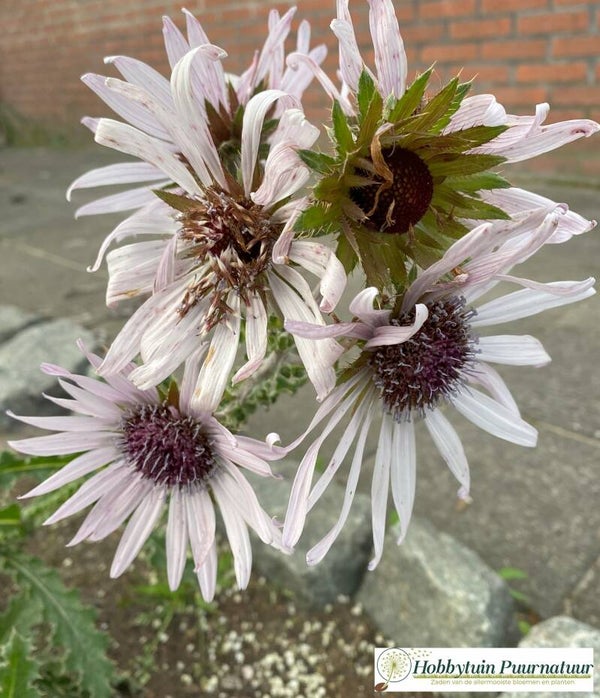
[431, 591]
[21, 381]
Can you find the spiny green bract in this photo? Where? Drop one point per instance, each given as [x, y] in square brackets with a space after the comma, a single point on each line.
[416, 124]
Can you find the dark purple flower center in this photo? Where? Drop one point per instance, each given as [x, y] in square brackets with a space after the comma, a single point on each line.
[396, 206]
[415, 375]
[166, 447]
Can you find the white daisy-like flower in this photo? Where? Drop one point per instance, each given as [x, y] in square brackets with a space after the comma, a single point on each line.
[220, 222]
[148, 451]
[420, 353]
[226, 250]
[218, 99]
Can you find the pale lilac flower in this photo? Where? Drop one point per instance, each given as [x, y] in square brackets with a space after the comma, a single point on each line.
[414, 168]
[225, 251]
[525, 138]
[212, 98]
[225, 247]
[423, 355]
[149, 451]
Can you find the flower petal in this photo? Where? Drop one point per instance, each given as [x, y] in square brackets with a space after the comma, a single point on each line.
[494, 418]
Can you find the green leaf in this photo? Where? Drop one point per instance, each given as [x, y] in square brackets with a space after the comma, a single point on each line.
[410, 100]
[370, 121]
[435, 109]
[13, 466]
[510, 573]
[314, 218]
[10, 517]
[480, 181]
[71, 624]
[319, 162]
[366, 91]
[341, 130]
[18, 670]
[176, 201]
[346, 254]
[453, 164]
[22, 613]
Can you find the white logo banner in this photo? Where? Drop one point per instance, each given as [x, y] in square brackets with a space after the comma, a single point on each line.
[442, 669]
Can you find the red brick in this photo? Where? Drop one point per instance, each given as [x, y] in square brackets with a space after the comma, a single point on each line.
[449, 52]
[521, 96]
[480, 28]
[568, 96]
[513, 48]
[549, 23]
[496, 6]
[418, 33]
[433, 9]
[558, 72]
[576, 46]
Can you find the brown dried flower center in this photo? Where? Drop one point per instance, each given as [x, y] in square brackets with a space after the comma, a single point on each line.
[394, 207]
[234, 238]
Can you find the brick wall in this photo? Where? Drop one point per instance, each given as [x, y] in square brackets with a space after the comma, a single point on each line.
[525, 51]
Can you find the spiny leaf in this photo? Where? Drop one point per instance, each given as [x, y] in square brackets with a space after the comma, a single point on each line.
[71, 624]
[410, 100]
[176, 201]
[478, 182]
[366, 90]
[452, 164]
[18, 670]
[319, 162]
[22, 613]
[435, 109]
[341, 130]
[457, 141]
[316, 219]
[370, 120]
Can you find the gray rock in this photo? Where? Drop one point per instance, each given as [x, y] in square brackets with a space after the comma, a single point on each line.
[583, 600]
[13, 320]
[431, 591]
[562, 631]
[21, 381]
[342, 569]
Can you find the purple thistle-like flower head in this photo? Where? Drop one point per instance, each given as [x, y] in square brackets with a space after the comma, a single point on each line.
[146, 450]
[421, 353]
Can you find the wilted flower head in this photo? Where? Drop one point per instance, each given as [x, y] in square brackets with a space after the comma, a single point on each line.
[420, 352]
[215, 103]
[149, 449]
[221, 220]
[412, 170]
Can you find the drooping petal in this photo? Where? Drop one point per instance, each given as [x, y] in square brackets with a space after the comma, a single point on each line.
[380, 486]
[403, 473]
[318, 552]
[390, 57]
[137, 531]
[201, 525]
[214, 374]
[177, 538]
[239, 540]
[494, 418]
[525, 303]
[256, 337]
[449, 445]
[513, 350]
[78, 467]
